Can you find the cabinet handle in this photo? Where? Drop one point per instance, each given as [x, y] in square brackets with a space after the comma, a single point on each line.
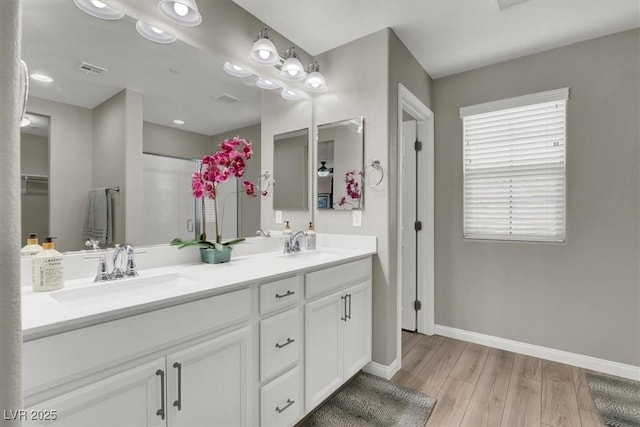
[178, 403]
[344, 298]
[289, 403]
[348, 316]
[160, 411]
[285, 295]
[289, 341]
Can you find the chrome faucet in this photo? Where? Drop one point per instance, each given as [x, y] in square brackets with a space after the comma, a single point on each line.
[130, 271]
[292, 244]
[261, 232]
[103, 272]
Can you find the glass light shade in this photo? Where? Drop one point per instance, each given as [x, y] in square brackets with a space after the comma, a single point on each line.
[264, 52]
[263, 83]
[289, 95]
[292, 69]
[183, 12]
[98, 9]
[315, 82]
[154, 34]
[43, 78]
[235, 70]
[323, 170]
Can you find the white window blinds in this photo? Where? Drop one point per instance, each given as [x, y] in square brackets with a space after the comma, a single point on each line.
[514, 168]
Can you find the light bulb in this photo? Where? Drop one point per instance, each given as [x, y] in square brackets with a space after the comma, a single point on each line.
[268, 82]
[264, 54]
[156, 30]
[315, 83]
[235, 67]
[292, 72]
[98, 4]
[180, 9]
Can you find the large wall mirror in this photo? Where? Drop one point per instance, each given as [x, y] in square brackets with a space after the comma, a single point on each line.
[339, 165]
[111, 87]
[290, 176]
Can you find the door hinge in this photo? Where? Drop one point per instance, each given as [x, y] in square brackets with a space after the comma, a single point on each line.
[417, 225]
[417, 305]
[417, 146]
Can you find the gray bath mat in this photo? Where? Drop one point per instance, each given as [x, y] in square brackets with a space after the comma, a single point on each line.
[617, 399]
[371, 401]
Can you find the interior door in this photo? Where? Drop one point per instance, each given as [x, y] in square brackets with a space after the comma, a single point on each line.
[409, 234]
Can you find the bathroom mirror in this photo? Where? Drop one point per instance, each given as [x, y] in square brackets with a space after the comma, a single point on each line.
[339, 165]
[290, 172]
[96, 64]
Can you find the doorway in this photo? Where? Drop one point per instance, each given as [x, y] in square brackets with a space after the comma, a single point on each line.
[415, 233]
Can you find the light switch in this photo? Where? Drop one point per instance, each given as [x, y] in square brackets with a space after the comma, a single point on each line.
[357, 218]
[278, 217]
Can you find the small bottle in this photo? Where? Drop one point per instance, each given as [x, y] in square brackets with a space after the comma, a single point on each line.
[32, 246]
[287, 229]
[48, 274]
[311, 238]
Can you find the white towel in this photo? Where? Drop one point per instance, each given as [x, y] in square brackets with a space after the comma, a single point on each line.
[98, 221]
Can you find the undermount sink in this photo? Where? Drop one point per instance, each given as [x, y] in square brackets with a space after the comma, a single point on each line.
[126, 290]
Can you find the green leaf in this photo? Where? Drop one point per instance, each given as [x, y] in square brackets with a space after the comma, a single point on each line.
[233, 242]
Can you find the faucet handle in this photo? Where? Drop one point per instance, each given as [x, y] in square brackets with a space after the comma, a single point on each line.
[103, 272]
[131, 266]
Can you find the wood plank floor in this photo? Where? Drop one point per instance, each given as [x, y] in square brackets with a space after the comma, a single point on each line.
[479, 386]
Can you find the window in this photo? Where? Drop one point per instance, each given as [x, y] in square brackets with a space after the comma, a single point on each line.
[514, 168]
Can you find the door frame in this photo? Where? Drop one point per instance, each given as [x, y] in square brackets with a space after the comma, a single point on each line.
[408, 102]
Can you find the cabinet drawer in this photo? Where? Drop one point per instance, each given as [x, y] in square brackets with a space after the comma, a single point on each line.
[280, 400]
[279, 342]
[324, 281]
[52, 360]
[281, 293]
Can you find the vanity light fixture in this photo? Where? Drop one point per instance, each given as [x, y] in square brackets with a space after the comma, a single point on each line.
[264, 51]
[98, 9]
[263, 83]
[183, 12]
[236, 70]
[315, 81]
[289, 94]
[178, 122]
[292, 68]
[154, 34]
[323, 170]
[42, 78]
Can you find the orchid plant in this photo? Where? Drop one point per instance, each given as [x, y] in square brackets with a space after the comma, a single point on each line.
[227, 163]
[353, 188]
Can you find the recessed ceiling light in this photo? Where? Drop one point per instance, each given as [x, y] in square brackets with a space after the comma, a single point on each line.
[25, 122]
[289, 94]
[154, 34]
[43, 78]
[235, 70]
[183, 12]
[266, 84]
[98, 9]
[178, 122]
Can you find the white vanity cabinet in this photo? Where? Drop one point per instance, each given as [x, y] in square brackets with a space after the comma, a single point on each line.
[337, 328]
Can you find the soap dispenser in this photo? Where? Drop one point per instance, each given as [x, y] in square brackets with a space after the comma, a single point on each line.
[48, 274]
[32, 246]
[287, 229]
[311, 238]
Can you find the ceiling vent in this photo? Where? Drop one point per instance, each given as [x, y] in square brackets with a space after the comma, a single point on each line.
[226, 98]
[91, 69]
[503, 4]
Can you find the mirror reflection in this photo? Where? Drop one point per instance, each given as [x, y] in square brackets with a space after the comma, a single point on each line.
[291, 153]
[340, 159]
[135, 115]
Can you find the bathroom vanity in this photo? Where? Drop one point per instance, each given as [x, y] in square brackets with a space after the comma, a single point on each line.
[262, 340]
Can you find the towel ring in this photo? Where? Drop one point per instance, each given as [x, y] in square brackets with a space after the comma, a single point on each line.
[266, 179]
[374, 164]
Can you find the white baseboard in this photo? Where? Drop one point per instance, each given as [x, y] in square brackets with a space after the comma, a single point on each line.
[601, 365]
[383, 371]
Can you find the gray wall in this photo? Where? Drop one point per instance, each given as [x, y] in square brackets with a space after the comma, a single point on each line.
[582, 296]
[70, 159]
[291, 172]
[172, 142]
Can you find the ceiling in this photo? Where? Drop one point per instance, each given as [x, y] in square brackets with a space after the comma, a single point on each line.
[448, 36]
[177, 80]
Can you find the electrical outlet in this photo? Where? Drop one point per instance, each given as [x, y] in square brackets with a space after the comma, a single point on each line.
[278, 217]
[357, 218]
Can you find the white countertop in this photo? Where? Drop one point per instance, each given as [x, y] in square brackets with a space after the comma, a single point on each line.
[83, 303]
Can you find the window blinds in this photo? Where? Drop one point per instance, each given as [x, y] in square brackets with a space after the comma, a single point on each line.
[514, 168]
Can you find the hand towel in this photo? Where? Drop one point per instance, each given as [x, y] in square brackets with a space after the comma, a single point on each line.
[97, 217]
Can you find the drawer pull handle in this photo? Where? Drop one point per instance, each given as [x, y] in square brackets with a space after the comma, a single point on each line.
[289, 403]
[344, 298]
[289, 341]
[160, 412]
[178, 403]
[285, 295]
[348, 316]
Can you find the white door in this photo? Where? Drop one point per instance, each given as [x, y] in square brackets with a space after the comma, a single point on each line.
[357, 329]
[409, 216]
[131, 398]
[323, 347]
[168, 207]
[209, 384]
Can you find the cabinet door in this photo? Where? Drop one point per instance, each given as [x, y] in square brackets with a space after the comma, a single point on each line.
[357, 329]
[323, 348]
[209, 384]
[131, 398]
